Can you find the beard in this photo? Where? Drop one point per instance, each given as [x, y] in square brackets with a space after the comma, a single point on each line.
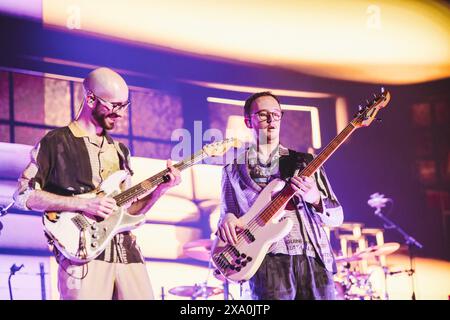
[101, 117]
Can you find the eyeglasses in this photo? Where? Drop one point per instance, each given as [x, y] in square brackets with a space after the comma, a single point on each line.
[113, 106]
[263, 115]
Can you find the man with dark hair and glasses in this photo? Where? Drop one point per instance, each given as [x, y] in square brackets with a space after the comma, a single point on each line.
[74, 160]
[301, 265]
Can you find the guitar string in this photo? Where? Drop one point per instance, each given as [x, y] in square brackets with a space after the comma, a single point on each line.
[121, 200]
[268, 212]
[138, 190]
[315, 163]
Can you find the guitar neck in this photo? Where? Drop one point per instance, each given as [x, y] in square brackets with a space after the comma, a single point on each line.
[145, 186]
[288, 192]
[326, 153]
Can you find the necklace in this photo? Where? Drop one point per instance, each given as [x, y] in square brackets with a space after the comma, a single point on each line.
[260, 169]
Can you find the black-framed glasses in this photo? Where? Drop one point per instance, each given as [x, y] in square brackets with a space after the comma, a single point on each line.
[113, 106]
[263, 115]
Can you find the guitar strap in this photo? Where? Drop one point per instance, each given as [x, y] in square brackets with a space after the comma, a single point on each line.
[290, 166]
[124, 164]
[294, 161]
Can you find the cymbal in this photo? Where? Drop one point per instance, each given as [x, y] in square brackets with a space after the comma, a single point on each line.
[198, 249]
[209, 205]
[380, 250]
[195, 291]
[343, 259]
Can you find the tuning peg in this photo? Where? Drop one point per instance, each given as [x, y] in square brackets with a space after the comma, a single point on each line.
[367, 102]
[360, 107]
[375, 96]
[382, 90]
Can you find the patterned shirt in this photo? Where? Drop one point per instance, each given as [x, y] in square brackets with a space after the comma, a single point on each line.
[240, 191]
[296, 242]
[68, 161]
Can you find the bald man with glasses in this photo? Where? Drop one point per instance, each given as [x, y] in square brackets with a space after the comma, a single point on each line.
[74, 160]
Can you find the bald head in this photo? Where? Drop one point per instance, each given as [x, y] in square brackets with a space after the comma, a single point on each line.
[106, 84]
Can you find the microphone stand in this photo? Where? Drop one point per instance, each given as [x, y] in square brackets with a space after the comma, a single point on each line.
[409, 240]
[14, 268]
[42, 276]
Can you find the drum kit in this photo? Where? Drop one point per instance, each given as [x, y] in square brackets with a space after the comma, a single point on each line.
[351, 283]
[357, 277]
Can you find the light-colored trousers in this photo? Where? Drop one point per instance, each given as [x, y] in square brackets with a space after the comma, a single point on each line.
[100, 280]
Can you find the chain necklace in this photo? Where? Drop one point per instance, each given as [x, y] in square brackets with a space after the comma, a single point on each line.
[263, 171]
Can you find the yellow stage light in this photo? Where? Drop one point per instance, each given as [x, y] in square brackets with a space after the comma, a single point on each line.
[390, 42]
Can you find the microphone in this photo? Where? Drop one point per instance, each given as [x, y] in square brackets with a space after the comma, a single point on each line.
[15, 268]
[377, 201]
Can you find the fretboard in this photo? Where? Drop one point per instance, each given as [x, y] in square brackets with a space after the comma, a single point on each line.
[147, 185]
[287, 193]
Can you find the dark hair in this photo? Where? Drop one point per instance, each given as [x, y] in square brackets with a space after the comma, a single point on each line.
[253, 97]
